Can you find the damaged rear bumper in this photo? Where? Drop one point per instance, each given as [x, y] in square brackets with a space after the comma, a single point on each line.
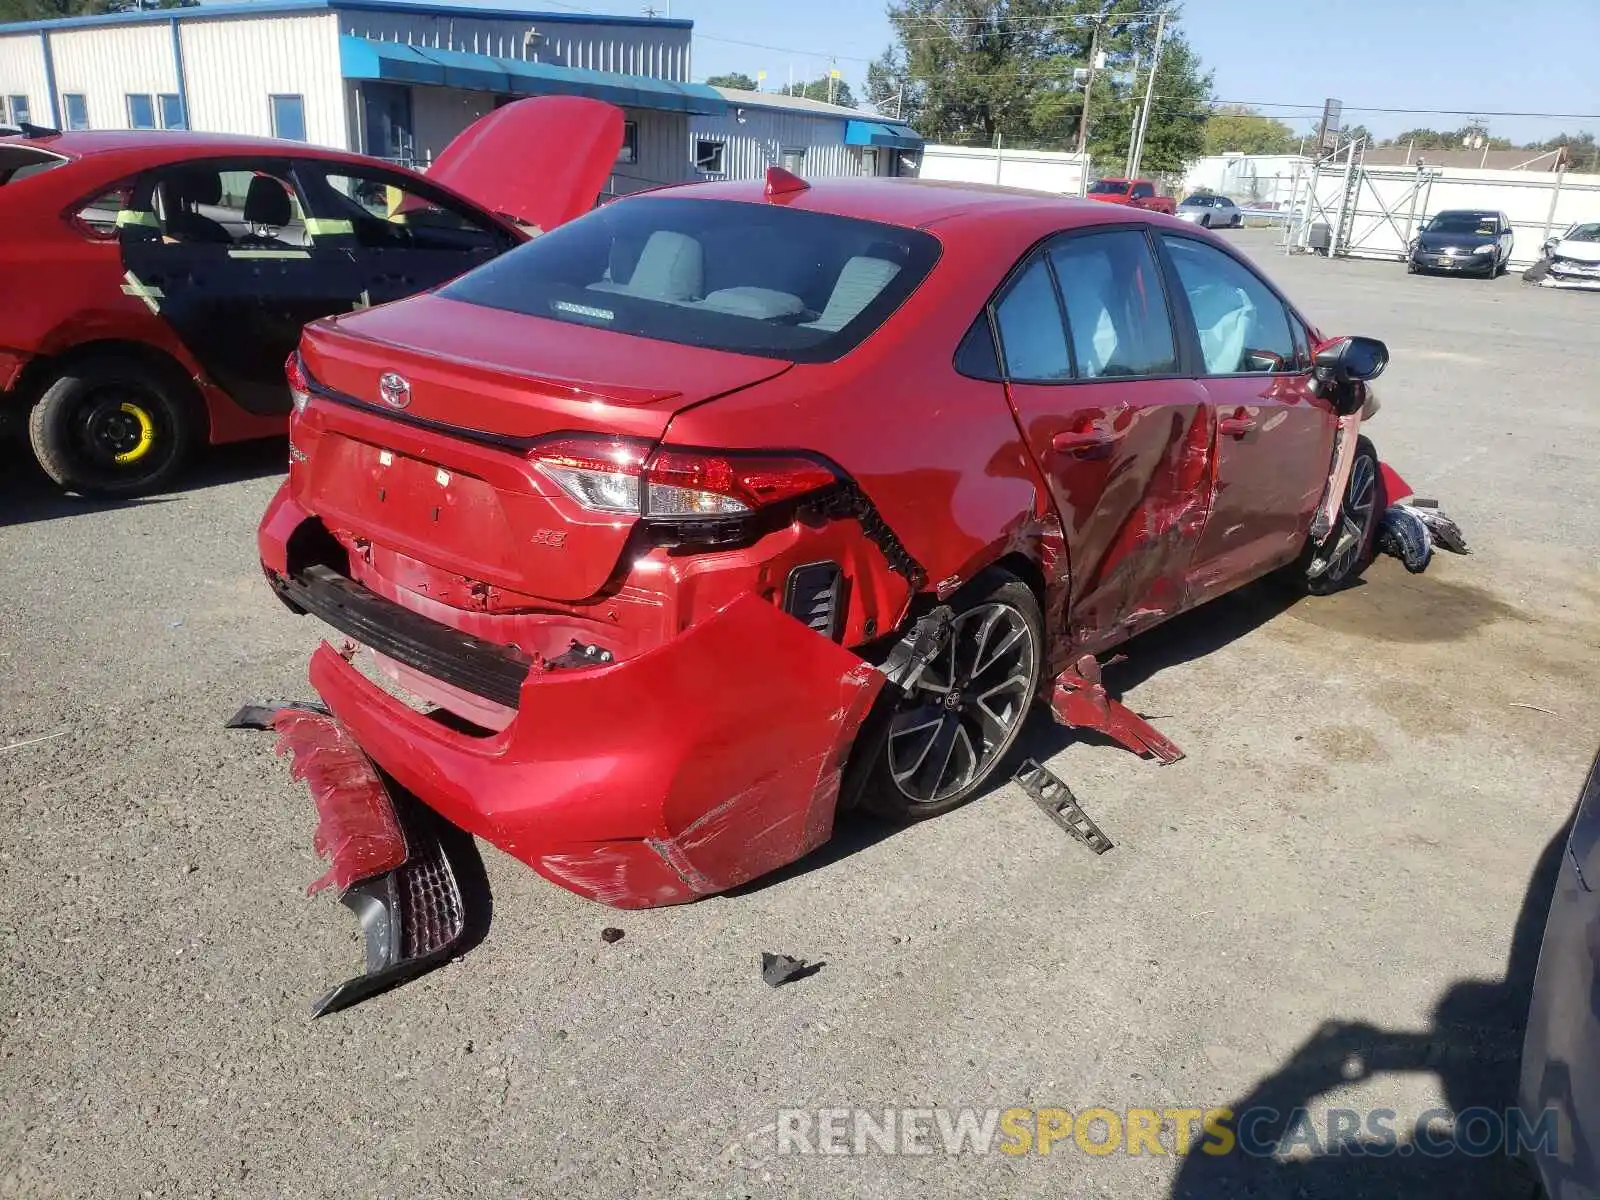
[408, 878]
[684, 771]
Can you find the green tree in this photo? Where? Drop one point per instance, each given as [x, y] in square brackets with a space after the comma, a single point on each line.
[1234, 127]
[817, 89]
[47, 10]
[968, 71]
[737, 79]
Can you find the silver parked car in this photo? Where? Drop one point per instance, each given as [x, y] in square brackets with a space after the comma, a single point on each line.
[1211, 212]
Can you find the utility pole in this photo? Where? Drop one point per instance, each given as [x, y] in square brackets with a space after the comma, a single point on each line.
[1149, 96]
[1133, 126]
[1088, 89]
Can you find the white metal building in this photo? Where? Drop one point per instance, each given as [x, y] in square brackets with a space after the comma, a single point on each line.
[394, 80]
[809, 137]
[1040, 170]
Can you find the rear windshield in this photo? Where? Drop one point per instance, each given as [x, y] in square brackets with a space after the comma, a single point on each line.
[751, 278]
[1109, 187]
[18, 162]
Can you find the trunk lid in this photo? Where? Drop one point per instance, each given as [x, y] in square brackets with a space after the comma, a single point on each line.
[437, 469]
[541, 162]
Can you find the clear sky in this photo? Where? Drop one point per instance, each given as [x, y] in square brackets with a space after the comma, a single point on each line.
[1479, 56]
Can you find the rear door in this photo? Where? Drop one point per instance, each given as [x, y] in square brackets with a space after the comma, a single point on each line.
[218, 248]
[1274, 434]
[1123, 437]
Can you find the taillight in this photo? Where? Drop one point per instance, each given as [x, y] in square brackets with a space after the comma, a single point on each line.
[616, 475]
[299, 386]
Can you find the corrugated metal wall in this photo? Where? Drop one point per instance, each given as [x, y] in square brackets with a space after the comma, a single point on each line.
[22, 74]
[660, 52]
[766, 133]
[234, 65]
[663, 152]
[108, 63]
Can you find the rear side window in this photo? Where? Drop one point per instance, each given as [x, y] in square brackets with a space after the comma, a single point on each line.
[1243, 326]
[1031, 333]
[1116, 306]
[749, 278]
[19, 162]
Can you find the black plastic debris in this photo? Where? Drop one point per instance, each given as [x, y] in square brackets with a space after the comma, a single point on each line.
[610, 935]
[779, 969]
[1412, 529]
[1050, 793]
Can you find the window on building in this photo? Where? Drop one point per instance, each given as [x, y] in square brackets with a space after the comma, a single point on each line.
[18, 106]
[794, 158]
[141, 112]
[288, 117]
[630, 143]
[708, 156]
[75, 107]
[869, 162]
[172, 113]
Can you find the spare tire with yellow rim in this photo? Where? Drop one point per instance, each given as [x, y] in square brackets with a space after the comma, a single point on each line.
[114, 425]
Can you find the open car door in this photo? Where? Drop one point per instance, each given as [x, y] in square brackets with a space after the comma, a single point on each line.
[540, 162]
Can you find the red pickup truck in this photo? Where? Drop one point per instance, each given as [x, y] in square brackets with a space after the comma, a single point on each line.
[1136, 193]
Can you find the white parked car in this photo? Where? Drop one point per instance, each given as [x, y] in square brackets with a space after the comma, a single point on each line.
[1211, 211]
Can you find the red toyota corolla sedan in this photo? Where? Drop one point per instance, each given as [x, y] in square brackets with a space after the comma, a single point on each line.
[154, 282]
[664, 536]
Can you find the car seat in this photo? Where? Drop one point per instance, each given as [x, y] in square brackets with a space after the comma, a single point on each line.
[185, 190]
[267, 211]
[861, 281]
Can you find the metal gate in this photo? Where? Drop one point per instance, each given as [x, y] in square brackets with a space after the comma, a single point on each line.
[1344, 208]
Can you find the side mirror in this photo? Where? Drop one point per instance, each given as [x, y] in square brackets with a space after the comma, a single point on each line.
[1351, 360]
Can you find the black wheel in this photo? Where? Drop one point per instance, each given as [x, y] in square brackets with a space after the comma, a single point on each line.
[1349, 547]
[111, 425]
[946, 737]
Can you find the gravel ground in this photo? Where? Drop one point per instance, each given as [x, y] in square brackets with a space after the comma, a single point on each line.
[1319, 906]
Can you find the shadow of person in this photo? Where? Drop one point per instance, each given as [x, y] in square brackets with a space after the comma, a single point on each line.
[1473, 1045]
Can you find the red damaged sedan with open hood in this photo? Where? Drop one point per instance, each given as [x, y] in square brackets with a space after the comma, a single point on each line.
[660, 538]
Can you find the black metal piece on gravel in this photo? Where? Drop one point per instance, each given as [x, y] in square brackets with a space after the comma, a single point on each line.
[259, 716]
[1051, 793]
[779, 969]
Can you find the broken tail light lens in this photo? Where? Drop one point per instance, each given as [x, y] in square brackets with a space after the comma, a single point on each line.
[614, 475]
[299, 385]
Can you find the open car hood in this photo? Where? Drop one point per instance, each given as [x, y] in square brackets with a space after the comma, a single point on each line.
[540, 162]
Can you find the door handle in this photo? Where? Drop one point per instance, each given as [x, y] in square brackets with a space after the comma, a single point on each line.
[1237, 425]
[1078, 440]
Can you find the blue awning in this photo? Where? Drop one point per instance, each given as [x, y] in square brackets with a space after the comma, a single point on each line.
[881, 133]
[393, 62]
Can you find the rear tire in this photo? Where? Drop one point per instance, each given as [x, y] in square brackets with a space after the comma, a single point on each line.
[1364, 503]
[112, 425]
[947, 738]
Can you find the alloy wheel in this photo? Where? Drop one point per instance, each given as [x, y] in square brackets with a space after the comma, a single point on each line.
[1357, 515]
[966, 706]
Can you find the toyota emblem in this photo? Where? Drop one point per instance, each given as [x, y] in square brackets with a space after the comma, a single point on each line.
[394, 390]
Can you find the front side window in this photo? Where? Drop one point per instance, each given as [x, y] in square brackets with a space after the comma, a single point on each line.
[288, 117]
[1116, 306]
[75, 106]
[1243, 325]
[1031, 334]
[141, 112]
[380, 211]
[172, 114]
[1143, 191]
[748, 278]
